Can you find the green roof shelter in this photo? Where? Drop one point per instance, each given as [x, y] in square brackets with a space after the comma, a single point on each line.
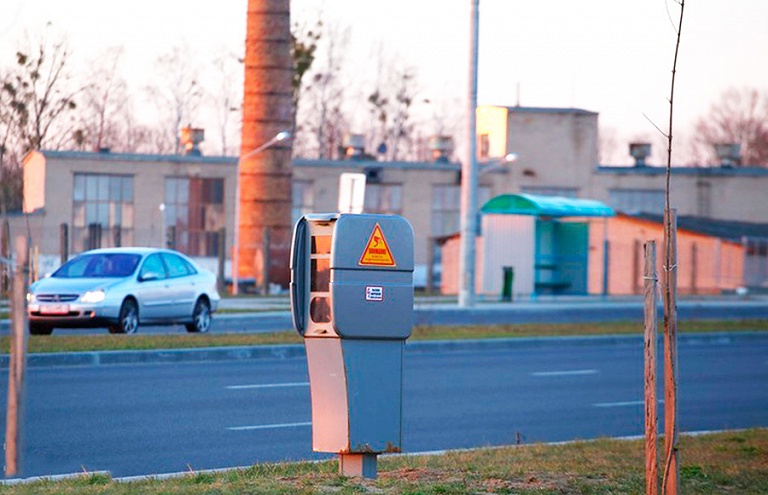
[546, 206]
[543, 239]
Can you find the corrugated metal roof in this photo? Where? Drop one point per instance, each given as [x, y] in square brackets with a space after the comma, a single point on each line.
[550, 110]
[546, 206]
[694, 171]
[232, 160]
[724, 229]
[138, 157]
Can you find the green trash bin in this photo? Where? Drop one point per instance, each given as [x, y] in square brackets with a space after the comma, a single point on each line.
[506, 288]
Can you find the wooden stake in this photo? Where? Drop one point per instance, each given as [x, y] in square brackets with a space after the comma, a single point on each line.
[671, 467]
[18, 358]
[651, 404]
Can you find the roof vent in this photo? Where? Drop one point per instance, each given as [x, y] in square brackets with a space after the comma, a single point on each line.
[441, 148]
[729, 154]
[640, 152]
[190, 139]
[354, 145]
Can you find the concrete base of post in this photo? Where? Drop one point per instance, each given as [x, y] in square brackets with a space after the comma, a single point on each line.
[358, 465]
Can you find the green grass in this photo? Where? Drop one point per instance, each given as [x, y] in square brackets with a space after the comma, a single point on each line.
[107, 342]
[723, 463]
[571, 329]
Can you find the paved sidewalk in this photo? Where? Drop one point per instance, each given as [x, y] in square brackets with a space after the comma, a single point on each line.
[282, 302]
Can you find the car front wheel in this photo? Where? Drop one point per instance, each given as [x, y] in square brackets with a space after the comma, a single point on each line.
[201, 317]
[129, 318]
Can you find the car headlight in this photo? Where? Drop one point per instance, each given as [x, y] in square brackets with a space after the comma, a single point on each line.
[30, 297]
[93, 296]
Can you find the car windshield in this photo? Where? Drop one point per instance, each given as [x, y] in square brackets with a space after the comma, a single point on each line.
[99, 265]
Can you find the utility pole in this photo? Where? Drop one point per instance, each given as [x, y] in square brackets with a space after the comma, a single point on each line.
[468, 221]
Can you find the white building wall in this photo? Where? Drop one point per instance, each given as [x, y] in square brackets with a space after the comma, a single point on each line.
[509, 240]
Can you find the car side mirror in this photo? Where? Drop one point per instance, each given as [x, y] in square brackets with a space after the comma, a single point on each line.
[148, 277]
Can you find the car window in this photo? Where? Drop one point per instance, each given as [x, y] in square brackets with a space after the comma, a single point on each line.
[73, 268]
[99, 265]
[176, 265]
[190, 267]
[153, 267]
[119, 264]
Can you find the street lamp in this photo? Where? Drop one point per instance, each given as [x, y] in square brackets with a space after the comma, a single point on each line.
[496, 164]
[468, 220]
[280, 136]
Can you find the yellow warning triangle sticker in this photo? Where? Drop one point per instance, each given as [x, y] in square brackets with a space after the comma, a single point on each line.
[377, 251]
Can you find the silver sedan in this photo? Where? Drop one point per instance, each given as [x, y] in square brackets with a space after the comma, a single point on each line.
[121, 288]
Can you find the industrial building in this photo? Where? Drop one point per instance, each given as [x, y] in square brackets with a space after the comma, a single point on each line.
[77, 200]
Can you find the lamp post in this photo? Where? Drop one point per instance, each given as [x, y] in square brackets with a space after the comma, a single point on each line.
[468, 221]
[280, 136]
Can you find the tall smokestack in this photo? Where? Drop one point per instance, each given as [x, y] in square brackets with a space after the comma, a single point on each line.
[265, 176]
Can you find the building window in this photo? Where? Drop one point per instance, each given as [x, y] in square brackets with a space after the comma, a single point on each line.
[446, 207]
[565, 192]
[102, 211]
[703, 199]
[637, 200]
[384, 198]
[302, 198]
[194, 214]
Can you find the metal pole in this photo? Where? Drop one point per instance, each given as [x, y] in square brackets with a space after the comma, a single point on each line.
[236, 238]
[280, 136]
[162, 224]
[63, 242]
[606, 257]
[468, 224]
[221, 253]
[431, 243]
[266, 242]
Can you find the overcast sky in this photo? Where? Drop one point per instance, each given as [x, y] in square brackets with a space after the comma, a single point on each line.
[609, 56]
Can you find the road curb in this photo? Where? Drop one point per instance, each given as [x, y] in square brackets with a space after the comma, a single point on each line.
[159, 356]
[243, 353]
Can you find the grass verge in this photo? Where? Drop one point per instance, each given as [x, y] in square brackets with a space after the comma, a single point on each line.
[730, 462]
[108, 342]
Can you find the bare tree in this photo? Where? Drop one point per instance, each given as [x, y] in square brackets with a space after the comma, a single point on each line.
[324, 121]
[36, 96]
[671, 470]
[304, 42]
[401, 130]
[740, 117]
[177, 93]
[226, 98]
[105, 102]
[391, 106]
[608, 146]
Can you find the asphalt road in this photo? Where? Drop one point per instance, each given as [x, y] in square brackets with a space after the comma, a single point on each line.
[158, 418]
[576, 310]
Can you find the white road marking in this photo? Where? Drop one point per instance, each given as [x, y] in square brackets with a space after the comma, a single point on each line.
[268, 385]
[623, 404]
[268, 427]
[564, 373]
